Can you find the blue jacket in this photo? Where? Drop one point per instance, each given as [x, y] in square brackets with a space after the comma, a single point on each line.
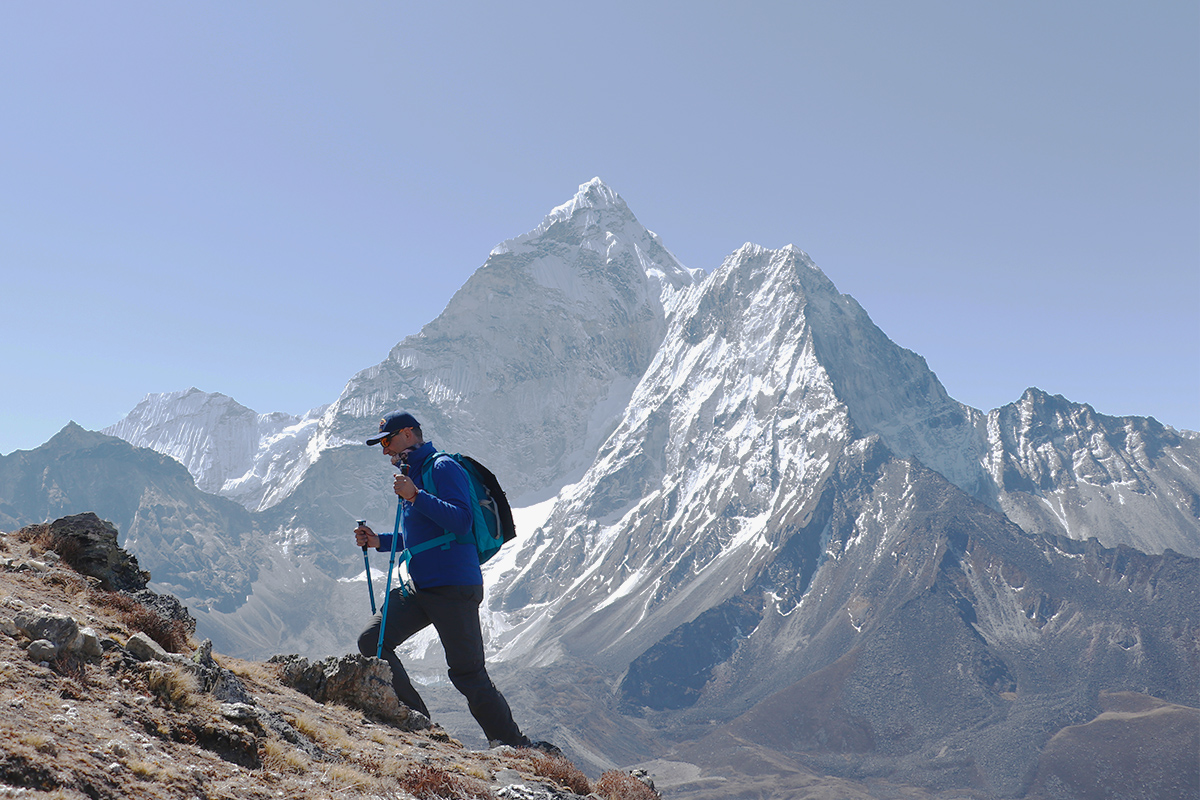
[429, 516]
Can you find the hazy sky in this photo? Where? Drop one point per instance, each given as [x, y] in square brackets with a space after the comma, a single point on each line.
[261, 198]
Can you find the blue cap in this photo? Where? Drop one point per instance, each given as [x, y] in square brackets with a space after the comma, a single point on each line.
[393, 422]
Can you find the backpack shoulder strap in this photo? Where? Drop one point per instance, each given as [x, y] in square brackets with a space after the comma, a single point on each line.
[427, 470]
[431, 487]
[445, 540]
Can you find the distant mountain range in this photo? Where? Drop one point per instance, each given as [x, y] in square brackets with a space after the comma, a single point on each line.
[764, 527]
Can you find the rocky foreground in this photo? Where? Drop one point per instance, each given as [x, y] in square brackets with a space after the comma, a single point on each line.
[104, 693]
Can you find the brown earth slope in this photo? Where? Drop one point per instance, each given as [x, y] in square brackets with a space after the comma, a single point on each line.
[114, 714]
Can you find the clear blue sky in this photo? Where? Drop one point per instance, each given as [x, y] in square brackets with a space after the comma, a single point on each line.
[224, 194]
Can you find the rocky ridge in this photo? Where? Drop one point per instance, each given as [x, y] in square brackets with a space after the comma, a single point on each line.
[103, 696]
[1059, 467]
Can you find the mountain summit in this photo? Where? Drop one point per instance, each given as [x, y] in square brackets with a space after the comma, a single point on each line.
[548, 337]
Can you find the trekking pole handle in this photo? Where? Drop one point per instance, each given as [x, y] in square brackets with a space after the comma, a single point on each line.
[361, 523]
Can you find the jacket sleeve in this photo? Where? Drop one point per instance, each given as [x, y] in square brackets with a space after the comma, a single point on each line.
[450, 508]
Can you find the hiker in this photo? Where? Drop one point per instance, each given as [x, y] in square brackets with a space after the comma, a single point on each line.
[445, 586]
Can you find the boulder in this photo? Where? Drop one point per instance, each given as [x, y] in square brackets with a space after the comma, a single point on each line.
[89, 643]
[356, 681]
[238, 712]
[60, 629]
[143, 648]
[42, 650]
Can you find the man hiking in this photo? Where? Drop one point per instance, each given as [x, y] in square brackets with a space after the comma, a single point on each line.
[446, 584]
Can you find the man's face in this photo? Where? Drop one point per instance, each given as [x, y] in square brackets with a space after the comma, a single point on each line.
[398, 442]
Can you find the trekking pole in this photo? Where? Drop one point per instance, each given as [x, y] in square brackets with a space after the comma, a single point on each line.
[387, 595]
[367, 566]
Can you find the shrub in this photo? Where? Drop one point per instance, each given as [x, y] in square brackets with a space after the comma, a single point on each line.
[41, 538]
[38, 535]
[559, 770]
[171, 634]
[623, 786]
[430, 783]
[73, 666]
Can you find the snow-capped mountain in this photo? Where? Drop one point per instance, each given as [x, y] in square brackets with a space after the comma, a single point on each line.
[732, 429]
[548, 337]
[766, 378]
[1060, 467]
[229, 449]
[759, 512]
[791, 500]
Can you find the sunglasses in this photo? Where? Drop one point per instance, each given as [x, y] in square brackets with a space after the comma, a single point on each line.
[386, 440]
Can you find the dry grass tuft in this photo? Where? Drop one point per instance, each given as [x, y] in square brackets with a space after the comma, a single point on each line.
[393, 767]
[71, 583]
[430, 783]
[282, 757]
[174, 686]
[331, 737]
[147, 770]
[379, 737]
[342, 778]
[559, 770]
[257, 672]
[623, 786]
[40, 742]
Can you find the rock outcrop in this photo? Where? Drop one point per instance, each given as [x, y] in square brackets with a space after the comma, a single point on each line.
[89, 545]
[353, 680]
